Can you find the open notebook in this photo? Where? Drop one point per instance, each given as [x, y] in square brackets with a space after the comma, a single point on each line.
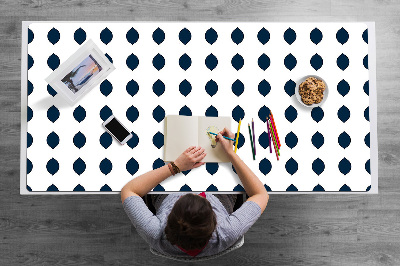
[181, 132]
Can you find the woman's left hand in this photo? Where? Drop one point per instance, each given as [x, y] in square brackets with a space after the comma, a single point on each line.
[190, 158]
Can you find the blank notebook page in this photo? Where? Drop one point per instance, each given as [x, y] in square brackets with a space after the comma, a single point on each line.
[180, 134]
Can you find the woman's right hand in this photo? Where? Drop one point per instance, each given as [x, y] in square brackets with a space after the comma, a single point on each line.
[226, 144]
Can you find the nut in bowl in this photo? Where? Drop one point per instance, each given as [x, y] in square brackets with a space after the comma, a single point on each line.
[311, 91]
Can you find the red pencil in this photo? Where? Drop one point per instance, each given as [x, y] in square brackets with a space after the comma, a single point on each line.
[276, 131]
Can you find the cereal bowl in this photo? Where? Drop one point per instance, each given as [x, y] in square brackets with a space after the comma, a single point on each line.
[298, 96]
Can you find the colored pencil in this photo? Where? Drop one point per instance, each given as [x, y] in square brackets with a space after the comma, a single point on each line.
[254, 137]
[237, 135]
[274, 142]
[222, 136]
[276, 131]
[269, 137]
[251, 141]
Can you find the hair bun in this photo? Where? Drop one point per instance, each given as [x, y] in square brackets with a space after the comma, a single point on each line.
[183, 225]
[191, 222]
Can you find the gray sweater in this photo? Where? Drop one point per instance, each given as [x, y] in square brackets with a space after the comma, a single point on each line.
[229, 227]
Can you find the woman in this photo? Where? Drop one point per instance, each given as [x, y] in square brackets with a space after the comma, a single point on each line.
[187, 224]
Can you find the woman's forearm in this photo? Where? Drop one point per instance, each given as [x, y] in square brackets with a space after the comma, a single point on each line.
[142, 184]
[250, 181]
[189, 159]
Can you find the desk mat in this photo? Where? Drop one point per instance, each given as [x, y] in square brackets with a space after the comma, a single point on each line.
[237, 69]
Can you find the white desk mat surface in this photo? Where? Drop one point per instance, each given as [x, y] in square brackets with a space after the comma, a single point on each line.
[237, 69]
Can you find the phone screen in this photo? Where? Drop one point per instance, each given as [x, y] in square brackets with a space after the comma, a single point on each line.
[117, 129]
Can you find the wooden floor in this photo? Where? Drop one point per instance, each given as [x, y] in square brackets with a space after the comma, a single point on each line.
[294, 230]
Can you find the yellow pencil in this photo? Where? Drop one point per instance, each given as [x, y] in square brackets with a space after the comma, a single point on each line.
[237, 135]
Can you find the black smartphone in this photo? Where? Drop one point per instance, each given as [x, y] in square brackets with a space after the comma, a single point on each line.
[117, 130]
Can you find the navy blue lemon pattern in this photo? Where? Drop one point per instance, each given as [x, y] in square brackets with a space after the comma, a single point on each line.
[162, 83]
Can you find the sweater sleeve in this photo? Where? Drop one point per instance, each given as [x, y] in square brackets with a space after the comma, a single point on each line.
[146, 223]
[239, 222]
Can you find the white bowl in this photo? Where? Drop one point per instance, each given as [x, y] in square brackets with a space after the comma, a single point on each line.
[325, 93]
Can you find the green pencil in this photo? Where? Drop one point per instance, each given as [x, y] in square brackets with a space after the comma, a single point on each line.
[251, 140]
[274, 138]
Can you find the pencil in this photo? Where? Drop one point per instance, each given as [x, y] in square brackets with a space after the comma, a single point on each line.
[276, 131]
[237, 135]
[251, 141]
[222, 136]
[274, 142]
[269, 137]
[254, 137]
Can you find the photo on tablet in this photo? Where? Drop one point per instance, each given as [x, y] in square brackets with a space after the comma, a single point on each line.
[81, 74]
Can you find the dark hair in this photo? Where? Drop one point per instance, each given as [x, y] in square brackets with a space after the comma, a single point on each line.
[191, 222]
